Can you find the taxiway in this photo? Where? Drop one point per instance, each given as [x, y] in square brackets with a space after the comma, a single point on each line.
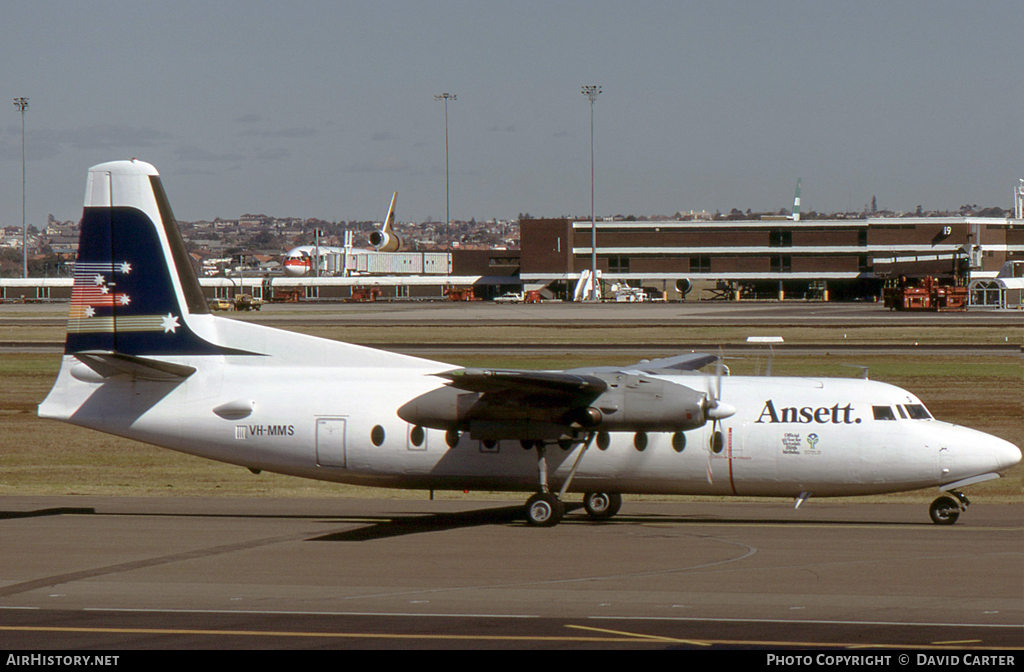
[137, 573]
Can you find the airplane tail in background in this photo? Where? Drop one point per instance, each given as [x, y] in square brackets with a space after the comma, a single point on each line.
[134, 286]
[386, 240]
[796, 202]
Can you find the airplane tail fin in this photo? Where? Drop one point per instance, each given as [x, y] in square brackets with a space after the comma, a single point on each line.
[386, 240]
[134, 286]
[796, 202]
[389, 221]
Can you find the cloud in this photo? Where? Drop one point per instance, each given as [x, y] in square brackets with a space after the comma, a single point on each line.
[48, 143]
[193, 153]
[297, 132]
[272, 154]
[383, 164]
[105, 136]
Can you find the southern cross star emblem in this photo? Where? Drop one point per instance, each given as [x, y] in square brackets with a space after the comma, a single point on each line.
[125, 267]
[169, 323]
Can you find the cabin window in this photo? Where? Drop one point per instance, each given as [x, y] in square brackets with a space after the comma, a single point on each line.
[918, 412]
[679, 442]
[883, 413]
[717, 442]
[377, 435]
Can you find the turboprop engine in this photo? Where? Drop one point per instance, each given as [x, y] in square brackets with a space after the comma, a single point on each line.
[519, 409]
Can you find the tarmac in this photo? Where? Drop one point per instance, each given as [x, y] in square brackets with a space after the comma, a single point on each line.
[198, 573]
[112, 573]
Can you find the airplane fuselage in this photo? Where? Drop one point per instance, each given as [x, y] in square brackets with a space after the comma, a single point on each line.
[824, 436]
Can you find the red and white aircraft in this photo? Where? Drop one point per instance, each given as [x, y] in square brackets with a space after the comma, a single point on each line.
[298, 261]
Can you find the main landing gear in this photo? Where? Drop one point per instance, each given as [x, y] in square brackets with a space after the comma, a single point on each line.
[945, 510]
[545, 509]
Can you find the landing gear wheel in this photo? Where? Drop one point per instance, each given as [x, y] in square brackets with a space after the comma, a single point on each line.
[944, 511]
[602, 505]
[544, 510]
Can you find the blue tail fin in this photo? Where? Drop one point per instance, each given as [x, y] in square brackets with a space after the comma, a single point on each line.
[134, 285]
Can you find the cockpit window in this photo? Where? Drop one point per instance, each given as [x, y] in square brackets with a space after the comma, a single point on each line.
[900, 409]
[918, 412]
[883, 413]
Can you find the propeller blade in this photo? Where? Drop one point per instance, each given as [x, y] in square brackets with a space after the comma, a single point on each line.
[711, 443]
[718, 373]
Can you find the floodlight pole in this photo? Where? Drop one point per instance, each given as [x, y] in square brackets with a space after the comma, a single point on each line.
[447, 209]
[592, 92]
[22, 105]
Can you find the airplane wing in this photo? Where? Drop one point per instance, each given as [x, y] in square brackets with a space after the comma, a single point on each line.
[516, 382]
[688, 362]
[522, 404]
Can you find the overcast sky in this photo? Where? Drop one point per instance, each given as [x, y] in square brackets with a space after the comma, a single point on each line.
[322, 109]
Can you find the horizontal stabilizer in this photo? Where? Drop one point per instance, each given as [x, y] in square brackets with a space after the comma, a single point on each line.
[109, 364]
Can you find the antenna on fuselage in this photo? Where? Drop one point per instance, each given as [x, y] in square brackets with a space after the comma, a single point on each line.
[863, 370]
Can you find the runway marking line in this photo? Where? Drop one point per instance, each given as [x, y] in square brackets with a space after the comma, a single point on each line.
[330, 635]
[958, 641]
[641, 636]
[622, 637]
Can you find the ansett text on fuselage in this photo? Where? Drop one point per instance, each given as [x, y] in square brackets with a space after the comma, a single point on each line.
[822, 415]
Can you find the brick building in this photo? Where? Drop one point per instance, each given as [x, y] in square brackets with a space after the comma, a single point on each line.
[768, 258]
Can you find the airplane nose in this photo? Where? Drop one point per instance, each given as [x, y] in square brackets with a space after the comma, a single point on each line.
[1007, 455]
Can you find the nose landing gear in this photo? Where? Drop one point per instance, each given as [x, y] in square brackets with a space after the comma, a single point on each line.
[946, 510]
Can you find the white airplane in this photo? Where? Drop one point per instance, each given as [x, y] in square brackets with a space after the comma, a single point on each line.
[298, 261]
[145, 359]
[796, 203]
[795, 217]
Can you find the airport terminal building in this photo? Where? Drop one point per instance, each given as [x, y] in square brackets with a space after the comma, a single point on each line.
[778, 258]
[830, 259]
